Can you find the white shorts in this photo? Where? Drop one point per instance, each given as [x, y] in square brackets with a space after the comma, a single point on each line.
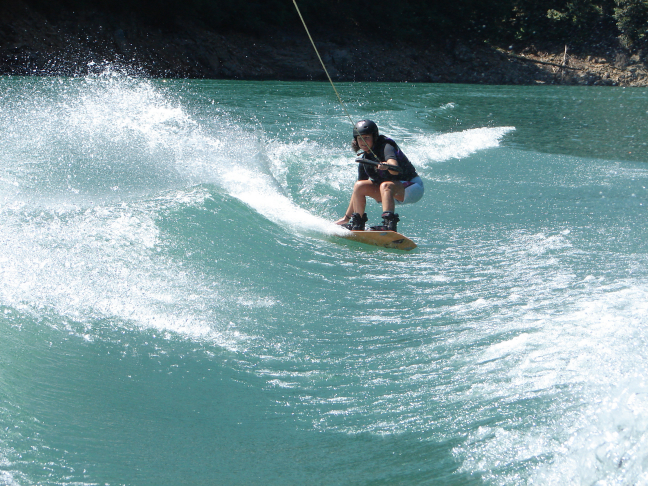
[413, 191]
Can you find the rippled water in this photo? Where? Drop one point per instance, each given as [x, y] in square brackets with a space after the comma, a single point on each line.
[177, 308]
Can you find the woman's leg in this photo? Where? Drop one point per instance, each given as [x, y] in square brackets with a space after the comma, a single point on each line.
[347, 216]
[361, 190]
[385, 193]
[389, 191]
[358, 202]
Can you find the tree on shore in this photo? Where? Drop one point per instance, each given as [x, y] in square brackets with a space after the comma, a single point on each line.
[632, 21]
[579, 23]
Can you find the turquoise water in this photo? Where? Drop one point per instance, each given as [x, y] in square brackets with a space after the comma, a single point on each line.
[177, 308]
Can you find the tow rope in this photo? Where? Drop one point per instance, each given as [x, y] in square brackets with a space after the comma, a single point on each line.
[323, 65]
[329, 77]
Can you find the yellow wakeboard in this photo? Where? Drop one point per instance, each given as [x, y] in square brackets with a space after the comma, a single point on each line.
[385, 239]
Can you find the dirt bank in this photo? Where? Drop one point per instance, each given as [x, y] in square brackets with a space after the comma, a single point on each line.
[81, 43]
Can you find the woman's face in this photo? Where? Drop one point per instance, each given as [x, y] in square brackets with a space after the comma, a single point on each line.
[365, 142]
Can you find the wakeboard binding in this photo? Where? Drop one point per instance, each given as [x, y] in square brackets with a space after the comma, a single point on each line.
[357, 222]
[389, 222]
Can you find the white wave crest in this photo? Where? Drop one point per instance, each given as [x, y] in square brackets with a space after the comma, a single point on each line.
[446, 146]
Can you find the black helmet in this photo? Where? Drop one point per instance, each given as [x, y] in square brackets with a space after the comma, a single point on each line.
[365, 127]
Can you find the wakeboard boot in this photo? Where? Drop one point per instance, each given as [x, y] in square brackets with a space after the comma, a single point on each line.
[389, 222]
[357, 222]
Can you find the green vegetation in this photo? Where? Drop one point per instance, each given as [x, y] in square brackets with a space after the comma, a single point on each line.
[632, 20]
[579, 23]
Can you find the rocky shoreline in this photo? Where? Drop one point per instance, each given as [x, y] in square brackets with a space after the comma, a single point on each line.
[30, 44]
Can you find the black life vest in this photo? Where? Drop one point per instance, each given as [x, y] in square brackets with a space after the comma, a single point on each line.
[377, 176]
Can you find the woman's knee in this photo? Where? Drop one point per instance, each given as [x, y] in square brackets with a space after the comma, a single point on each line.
[387, 187]
[363, 186]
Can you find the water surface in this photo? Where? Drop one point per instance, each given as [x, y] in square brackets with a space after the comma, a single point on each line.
[177, 308]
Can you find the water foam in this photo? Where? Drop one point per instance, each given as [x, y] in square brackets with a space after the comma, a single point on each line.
[598, 430]
[87, 125]
[88, 166]
[324, 172]
[96, 136]
[456, 145]
[108, 263]
[269, 193]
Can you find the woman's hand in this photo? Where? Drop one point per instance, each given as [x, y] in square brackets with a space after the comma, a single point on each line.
[389, 165]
